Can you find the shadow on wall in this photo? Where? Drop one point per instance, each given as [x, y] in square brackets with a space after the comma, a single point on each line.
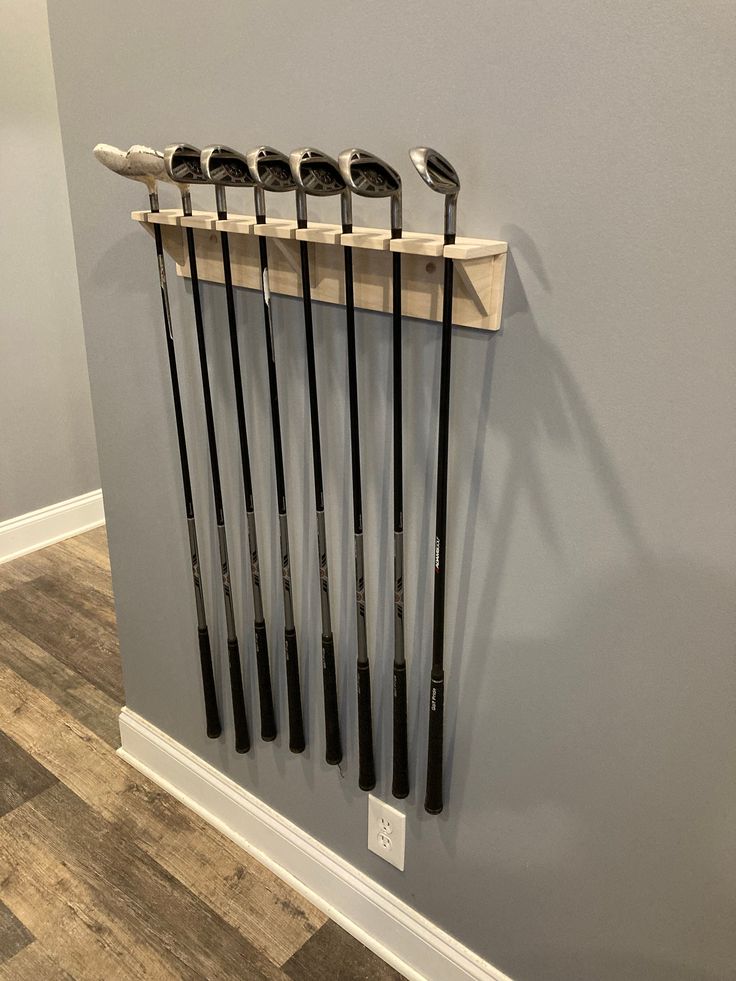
[550, 408]
[604, 803]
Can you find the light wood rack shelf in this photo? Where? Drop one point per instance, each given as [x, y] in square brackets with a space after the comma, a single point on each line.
[480, 264]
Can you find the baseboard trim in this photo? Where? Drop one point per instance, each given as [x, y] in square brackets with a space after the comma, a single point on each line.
[37, 529]
[408, 941]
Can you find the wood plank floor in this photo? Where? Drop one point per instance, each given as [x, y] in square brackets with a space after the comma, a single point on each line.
[102, 874]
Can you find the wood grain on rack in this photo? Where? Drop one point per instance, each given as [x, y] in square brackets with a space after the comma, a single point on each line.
[480, 264]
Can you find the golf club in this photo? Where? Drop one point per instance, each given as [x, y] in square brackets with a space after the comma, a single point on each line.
[224, 167]
[270, 171]
[366, 762]
[147, 166]
[316, 173]
[184, 168]
[440, 175]
[370, 177]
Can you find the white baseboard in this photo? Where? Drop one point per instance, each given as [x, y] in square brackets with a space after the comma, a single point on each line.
[37, 529]
[394, 931]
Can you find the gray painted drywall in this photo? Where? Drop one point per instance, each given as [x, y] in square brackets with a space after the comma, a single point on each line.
[47, 443]
[589, 832]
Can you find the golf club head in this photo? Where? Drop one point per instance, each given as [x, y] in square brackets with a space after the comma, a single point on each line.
[315, 172]
[139, 163]
[438, 173]
[183, 164]
[318, 174]
[370, 177]
[270, 169]
[225, 166]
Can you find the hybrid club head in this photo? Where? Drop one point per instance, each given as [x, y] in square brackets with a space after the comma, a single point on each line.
[225, 166]
[438, 173]
[183, 164]
[139, 163]
[370, 177]
[318, 174]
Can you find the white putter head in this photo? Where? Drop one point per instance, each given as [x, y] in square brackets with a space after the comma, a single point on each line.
[139, 163]
[438, 173]
[370, 177]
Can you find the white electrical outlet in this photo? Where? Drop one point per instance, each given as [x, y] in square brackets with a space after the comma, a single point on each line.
[386, 832]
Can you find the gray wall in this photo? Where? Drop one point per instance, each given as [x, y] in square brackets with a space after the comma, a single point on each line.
[47, 444]
[590, 723]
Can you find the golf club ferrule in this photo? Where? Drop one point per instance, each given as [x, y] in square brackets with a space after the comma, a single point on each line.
[346, 211]
[260, 198]
[186, 201]
[153, 199]
[396, 215]
[450, 218]
[301, 207]
[221, 201]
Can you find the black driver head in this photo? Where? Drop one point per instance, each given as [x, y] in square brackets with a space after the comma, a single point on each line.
[438, 173]
[370, 177]
[225, 166]
[183, 165]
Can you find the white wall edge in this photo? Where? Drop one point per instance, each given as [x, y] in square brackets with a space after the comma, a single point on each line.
[37, 529]
[401, 936]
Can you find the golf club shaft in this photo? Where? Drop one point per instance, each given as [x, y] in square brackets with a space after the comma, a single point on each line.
[214, 728]
[333, 751]
[400, 782]
[366, 764]
[265, 694]
[293, 683]
[433, 800]
[242, 738]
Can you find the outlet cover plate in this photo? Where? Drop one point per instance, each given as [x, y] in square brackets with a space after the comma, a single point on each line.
[386, 832]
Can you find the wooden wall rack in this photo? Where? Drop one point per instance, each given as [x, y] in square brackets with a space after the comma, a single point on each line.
[480, 264]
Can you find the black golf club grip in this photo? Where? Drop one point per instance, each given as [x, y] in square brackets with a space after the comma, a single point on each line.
[214, 728]
[400, 784]
[294, 695]
[265, 695]
[240, 720]
[433, 797]
[366, 765]
[333, 751]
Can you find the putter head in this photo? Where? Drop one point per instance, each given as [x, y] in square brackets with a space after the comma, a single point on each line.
[183, 165]
[222, 165]
[317, 173]
[438, 173]
[139, 163]
[370, 177]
